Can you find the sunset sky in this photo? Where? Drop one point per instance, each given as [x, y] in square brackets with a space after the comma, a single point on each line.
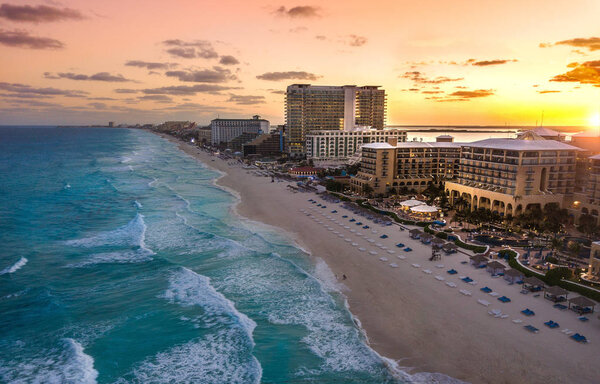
[479, 62]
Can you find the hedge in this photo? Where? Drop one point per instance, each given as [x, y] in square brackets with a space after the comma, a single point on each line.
[512, 261]
[442, 235]
[470, 247]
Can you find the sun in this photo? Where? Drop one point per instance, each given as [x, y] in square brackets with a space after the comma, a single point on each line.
[595, 120]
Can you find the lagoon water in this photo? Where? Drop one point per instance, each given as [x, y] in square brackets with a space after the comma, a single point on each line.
[121, 262]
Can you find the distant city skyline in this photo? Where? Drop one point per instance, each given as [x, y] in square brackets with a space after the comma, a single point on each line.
[440, 63]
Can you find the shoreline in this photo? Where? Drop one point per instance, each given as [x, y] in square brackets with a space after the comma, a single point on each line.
[410, 320]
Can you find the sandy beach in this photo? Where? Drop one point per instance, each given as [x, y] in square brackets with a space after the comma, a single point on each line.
[409, 312]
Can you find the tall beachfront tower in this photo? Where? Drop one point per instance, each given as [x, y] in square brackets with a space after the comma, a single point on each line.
[320, 108]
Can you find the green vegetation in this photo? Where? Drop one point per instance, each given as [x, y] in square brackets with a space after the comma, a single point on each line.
[334, 186]
[470, 247]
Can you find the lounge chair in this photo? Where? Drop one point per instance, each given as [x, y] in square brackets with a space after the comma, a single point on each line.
[583, 318]
[334, 211]
[400, 245]
[531, 328]
[579, 338]
[383, 236]
[345, 216]
[352, 220]
[407, 249]
[528, 312]
[452, 272]
[467, 279]
[358, 223]
[366, 227]
[560, 306]
[486, 289]
[551, 324]
[504, 299]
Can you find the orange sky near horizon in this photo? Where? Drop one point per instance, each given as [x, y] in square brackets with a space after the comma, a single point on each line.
[461, 62]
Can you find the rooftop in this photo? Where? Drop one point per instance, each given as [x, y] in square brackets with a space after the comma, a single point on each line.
[414, 144]
[522, 145]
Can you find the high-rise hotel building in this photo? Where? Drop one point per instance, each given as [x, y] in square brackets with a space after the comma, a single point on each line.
[320, 108]
[509, 176]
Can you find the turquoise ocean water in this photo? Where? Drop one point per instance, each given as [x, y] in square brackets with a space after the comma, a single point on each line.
[120, 262]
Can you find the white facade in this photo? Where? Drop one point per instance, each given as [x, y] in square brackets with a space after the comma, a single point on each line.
[225, 130]
[341, 145]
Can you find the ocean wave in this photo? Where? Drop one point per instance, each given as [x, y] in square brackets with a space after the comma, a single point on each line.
[187, 288]
[132, 234]
[124, 257]
[15, 267]
[68, 365]
[216, 359]
[224, 356]
[137, 204]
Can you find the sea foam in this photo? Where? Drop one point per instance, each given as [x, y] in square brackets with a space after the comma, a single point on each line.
[67, 365]
[222, 356]
[132, 234]
[15, 267]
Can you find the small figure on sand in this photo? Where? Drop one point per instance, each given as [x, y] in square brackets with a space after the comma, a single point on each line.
[344, 277]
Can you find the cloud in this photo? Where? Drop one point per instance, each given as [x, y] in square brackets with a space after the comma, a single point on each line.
[321, 37]
[187, 90]
[591, 43]
[584, 73]
[277, 91]
[22, 39]
[246, 99]
[419, 78]
[150, 65]
[37, 14]
[289, 75]
[100, 76]
[548, 91]
[97, 105]
[157, 98]
[298, 29]
[215, 75]
[485, 63]
[121, 90]
[472, 94]
[357, 41]
[191, 49]
[228, 60]
[301, 11]
[19, 90]
[432, 92]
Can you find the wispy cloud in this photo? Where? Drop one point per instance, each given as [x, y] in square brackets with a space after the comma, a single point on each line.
[584, 73]
[357, 41]
[485, 63]
[591, 43]
[300, 11]
[37, 14]
[191, 49]
[289, 75]
[100, 76]
[420, 78]
[246, 99]
[228, 60]
[187, 90]
[150, 65]
[22, 39]
[215, 75]
[23, 89]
